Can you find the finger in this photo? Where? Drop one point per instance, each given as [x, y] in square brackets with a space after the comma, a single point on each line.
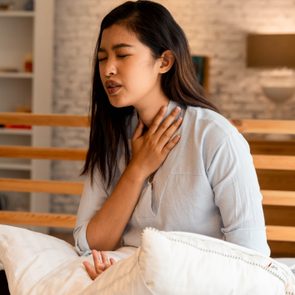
[139, 129]
[90, 270]
[105, 258]
[165, 125]
[98, 263]
[96, 260]
[171, 144]
[112, 261]
[168, 134]
[157, 120]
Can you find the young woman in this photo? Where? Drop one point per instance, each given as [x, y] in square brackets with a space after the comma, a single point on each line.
[160, 154]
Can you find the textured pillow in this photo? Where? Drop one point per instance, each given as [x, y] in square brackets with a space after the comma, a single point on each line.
[184, 263]
[28, 257]
[166, 263]
[36, 263]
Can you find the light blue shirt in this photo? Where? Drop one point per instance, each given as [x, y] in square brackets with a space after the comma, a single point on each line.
[207, 185]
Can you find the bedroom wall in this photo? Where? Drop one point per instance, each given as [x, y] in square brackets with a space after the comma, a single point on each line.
[216, 28]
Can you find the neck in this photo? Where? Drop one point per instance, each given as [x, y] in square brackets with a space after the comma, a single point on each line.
[148, 112]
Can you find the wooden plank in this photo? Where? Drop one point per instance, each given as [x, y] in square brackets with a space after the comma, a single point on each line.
[244, 125]
[274, 233]
[280, 233]
[78, 154]
[279, 215]
[282, 249]
[276, 180]
[42, 186]
[274, 162]
[50, 153]
[37, 219]
[278, 198]
[44, 119]
[265, 126]
[272, 147]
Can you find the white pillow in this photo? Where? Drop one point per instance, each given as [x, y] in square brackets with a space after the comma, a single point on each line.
[185, 263]
[36, 263]
[29, 256]
[166, 263]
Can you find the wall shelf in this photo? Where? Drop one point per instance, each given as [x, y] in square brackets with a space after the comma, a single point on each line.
[17, 13]
[12, 131]
[15, 166]
[25, 35]
[16, 75]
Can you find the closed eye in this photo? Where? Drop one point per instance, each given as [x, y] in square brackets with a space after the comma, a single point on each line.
[101, 59]
[122, 55]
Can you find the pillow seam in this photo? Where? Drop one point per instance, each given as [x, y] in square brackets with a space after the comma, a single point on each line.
[229, 256]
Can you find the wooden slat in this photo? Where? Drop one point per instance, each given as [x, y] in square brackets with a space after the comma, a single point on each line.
[272, 147]
[278, 198]
[280, 233]
[274, 233]
[265, 126]
[44, 119]
[51, 153]
[244, 125]
[37, 219]
[281, 180]
[274, 162]
[280, 249]
[261, 161]
[42, 186]
[279, 215]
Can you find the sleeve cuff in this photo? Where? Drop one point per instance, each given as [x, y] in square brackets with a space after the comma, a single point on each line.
[254, 239]
[81, 243]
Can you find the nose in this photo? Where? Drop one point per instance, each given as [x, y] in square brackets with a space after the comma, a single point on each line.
[110, 67]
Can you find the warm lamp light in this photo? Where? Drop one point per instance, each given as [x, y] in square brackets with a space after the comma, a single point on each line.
[277, 52]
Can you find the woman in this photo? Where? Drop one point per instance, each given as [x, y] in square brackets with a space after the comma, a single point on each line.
[159, 154]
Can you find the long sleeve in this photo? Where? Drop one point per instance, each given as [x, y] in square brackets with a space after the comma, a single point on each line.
[237, 194]
[92, 199]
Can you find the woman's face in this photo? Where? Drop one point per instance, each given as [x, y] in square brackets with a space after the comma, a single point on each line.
[129, 72]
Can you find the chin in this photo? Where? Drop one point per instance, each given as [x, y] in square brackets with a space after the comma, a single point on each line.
[119, 104]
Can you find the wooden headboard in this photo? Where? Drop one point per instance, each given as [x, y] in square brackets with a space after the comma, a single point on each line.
[274, 161]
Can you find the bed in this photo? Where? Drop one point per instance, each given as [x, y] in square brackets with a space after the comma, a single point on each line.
[57, 262]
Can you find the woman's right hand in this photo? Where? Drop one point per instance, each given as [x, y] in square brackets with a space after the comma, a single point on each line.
[150, 148]
[101, 263]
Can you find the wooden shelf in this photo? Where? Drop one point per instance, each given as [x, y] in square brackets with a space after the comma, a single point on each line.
[12, 131]
[25, 33]
[17, 13]
[15, 166]
[16, 75]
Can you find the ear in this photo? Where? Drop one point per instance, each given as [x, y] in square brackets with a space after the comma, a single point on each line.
[167, 61]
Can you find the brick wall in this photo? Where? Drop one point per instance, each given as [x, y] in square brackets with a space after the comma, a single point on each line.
[216, 28]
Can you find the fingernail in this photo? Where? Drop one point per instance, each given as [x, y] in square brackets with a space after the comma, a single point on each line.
[177, 109]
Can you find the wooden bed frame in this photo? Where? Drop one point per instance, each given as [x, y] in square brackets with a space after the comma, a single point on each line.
[274, 161]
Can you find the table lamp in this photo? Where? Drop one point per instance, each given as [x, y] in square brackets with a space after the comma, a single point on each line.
[275, 52]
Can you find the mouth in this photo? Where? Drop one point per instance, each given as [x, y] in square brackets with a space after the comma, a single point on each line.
[112, 87]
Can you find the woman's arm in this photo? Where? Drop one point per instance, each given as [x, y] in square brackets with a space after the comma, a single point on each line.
[149, 150]
[237, 194]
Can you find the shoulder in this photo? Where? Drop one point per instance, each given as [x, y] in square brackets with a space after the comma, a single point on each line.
[210, 133]
[210, 124]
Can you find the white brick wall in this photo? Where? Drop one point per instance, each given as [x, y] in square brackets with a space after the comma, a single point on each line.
[216, 28]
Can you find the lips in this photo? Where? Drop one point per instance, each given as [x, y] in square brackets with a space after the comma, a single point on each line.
[112, 87]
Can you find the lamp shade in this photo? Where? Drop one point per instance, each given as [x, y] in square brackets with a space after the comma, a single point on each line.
[271, 50]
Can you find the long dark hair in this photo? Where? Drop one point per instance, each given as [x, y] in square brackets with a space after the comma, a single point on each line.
[155, 27]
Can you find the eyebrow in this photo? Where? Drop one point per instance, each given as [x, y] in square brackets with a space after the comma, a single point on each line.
[117, 46]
